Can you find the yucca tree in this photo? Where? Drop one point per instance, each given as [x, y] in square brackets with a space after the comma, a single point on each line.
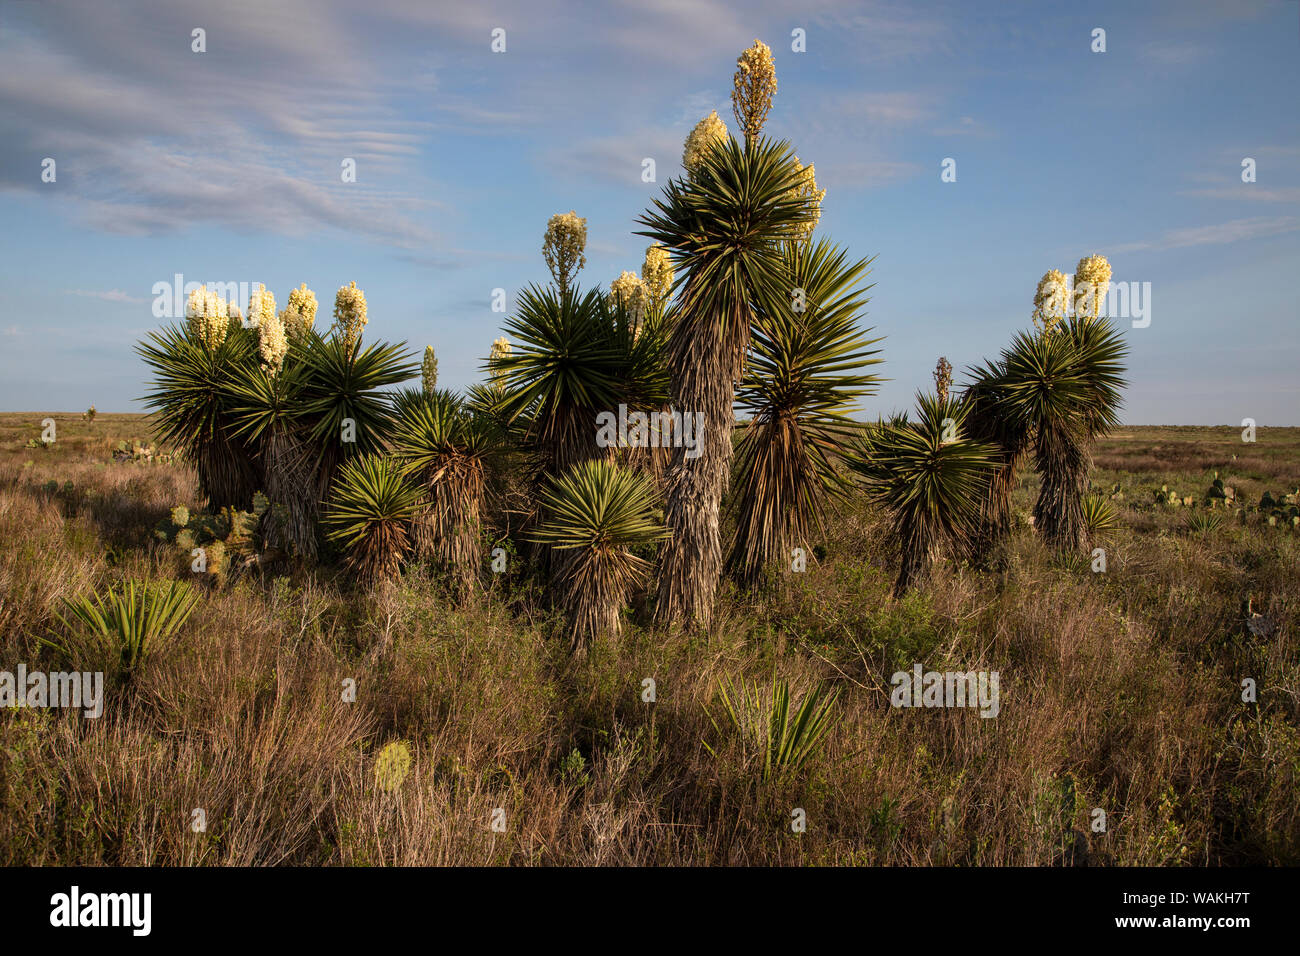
[990, 423]
[369, 513]
[444, 447]
[192, 408]
[266, 410]
[599, 512]
[805, 376]
[345, 399]
[723, 226]
[1063, 388]
[573, 356]
[930, 478]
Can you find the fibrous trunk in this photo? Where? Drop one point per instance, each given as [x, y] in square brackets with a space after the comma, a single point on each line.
[705, 358]
[292, 487]
[1063, 461]
[447, 531]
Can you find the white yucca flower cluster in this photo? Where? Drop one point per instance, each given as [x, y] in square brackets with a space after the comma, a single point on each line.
[350, 313]
[1055, 298]
[300, 314]
[209, 316]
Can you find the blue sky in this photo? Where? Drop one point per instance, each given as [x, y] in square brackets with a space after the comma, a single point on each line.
[225, 166]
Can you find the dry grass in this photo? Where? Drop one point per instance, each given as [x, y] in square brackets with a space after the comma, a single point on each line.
[1119, 691]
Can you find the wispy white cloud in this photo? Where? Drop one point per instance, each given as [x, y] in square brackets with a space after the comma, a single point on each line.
[1249, 192]
[1238, 230]
[111, 295]
[966, 126]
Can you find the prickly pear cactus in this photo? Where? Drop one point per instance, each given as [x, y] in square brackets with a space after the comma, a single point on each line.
[214, 546]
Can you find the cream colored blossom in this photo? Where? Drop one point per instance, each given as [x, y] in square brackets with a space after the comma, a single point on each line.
[564, 247]
[300, 315]
[209, 316]
[1091, 280]
[706, 133]
[429, 370]
[261, 306]
[753, 87]
[271, 343]
[500, 350]
[350, 313]
[630, 292]
[808, 192]
[657, 272]
[1051, 301]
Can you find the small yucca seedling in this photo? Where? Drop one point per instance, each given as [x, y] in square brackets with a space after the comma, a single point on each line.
[128, 626]
[1099, 518]
[369, 513]
[780, 733]
[1204, 522]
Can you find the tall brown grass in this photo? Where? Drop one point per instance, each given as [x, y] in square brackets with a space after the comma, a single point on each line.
[1119, 691]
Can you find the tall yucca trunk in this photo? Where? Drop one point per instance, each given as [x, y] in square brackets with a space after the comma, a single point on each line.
[226, 473]
[920, 548]
[447, 531]
[706, 358]
[1063, 461]
[995, 512]
[292, 487]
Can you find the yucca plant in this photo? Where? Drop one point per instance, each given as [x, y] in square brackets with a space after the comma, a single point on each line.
[723, 227]
[778, 732]
[124, 628]
[806, 374]
[930, 478]
[599, 512]
[1204, 522]
[572, 357]
[1063, 388]
[989, 422]
[1099, 518]
[345, 399]
[192, 408]
[266, 411]
[444, 447]
[369, 512]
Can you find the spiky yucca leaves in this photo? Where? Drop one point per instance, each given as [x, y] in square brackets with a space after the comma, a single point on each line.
[806, 373]
[444, 448]
[1064, 390]
[122, 629]
[988, 421]
[190, 402]
[573, 356]
[599, 512]
[345, 383]
[267, 411]
[723, 227]
[1099, 518]
[930, 479]
[779, 738]
[368, 513]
